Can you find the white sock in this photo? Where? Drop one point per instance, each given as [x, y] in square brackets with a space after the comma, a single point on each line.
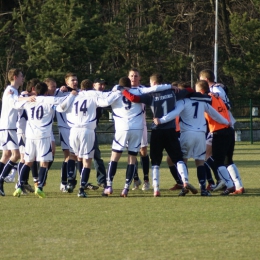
[224, 175]
[13, 173]
[156, 177]
[182, 169]
[234, 173]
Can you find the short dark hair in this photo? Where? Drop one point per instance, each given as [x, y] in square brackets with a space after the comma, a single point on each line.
[41, 88]
[203, 85]
[12, 73]
[69, 74]
[125, 82]
[157, 77]
[31, 84]
[208, 74]
[86, 84]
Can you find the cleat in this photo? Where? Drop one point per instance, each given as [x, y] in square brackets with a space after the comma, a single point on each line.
[63, 188]
[136, 184]
[28, 187]
[2, 193]
[82, 194]
[10, 179]
[156, 193]
[146, 185]
[90, 186]
[191, 188]
[124, 193]
[40, 193]
[107, 191]
[228, 191]
[183, 192]
[177, 187]
[17, 192]
[239, 191]
[71, 185]
[205, 193]
[219, 186]
[211, 187]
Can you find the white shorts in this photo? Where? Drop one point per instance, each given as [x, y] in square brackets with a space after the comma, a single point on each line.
[193, 145]
[144, 141]
[21, 142]
[209, 139]
[131, 138]
[64, 138]
[38, 150]
[82, 142]
[8, 140]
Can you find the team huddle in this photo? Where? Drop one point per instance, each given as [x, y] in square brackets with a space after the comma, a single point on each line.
[203, 116]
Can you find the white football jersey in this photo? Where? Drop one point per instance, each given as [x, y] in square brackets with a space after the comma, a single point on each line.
[191, 114]
[9, 114]
[82, 111]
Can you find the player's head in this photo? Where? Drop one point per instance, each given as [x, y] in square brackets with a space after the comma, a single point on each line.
[41, 89]
[183, 85]
[135, 77]
[99, 84]
[86, 84]
[52, 85]
[207, 75]
[202, 86]
[71, 80]
[156, 79]
[30, 86]
[15, 76]
[125, 82]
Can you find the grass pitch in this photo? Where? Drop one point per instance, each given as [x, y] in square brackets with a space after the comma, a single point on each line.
[63, 226]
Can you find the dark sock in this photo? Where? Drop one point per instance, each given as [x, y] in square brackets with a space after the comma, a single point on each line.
[175, 174]
[145, 162]
[24, 173]
[211, 164]
[34, 169]
[208, 174]
[80, 166]
[2, 165]
[64, 175]
[129, 174]
[84, 177]
[201, 174]
[136, 177]
[111, 172]
[71, 169]
[42, 176]
[7, 168]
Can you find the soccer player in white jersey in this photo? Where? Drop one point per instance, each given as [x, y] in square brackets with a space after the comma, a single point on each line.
[68, 172]
[8, 136]
[81, 117]
[193, 128]
[38, 135]
[221, 91]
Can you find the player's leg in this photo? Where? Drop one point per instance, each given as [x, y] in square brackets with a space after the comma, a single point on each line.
[175, 174]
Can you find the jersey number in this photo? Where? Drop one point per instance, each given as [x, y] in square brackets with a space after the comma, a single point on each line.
[127, 103]
[83, 107]
[195, 104]
[38, 113]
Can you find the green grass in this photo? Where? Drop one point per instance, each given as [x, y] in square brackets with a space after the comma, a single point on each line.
[63, 226]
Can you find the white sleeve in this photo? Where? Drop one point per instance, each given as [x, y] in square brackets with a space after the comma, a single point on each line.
[107, 101]
[174, 113]
[215, 115]
[155, 88]
[65, 104]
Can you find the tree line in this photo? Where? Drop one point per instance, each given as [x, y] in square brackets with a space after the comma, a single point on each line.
[104, 38]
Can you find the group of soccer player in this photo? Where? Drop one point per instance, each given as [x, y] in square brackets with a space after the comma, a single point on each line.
[26, 133]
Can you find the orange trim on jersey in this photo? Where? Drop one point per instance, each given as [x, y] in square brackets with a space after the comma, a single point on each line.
[218, 104]
[177, 123]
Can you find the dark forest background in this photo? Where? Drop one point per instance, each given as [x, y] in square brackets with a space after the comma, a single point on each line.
[47, 38]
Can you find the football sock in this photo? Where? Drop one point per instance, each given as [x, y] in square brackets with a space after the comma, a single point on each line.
[130, 170]
[111, 172]
[42, 176]
[64, 174]
[234, 173]
[201, 174]
[145, 162]
[175, 174]
[7, 168]
[71, 169]
[84, 177]
[2, 165]
[156, 176]
[136, 176]
[224, 175]
[20, 166]
[210, 163]
[208, 174]
[34, 169]
[80, 166]
[24, 173]
[14, 171]
[182, 169]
